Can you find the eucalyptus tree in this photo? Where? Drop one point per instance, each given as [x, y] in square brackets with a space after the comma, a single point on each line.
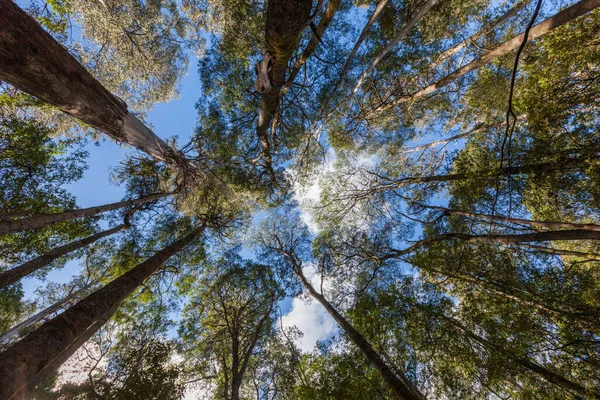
[227, 322]
[285, 239]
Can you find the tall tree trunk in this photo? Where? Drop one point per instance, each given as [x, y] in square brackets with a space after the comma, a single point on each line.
[21, 362]
[401, 34]
[548, 375]
[56, 363]
[537, 224]
[539, 168]
[479, 128]
[484, 31]
[44, 314]
[380, 5]
[32, 61]
[402, 387]
[546, 236]
[559, 19]
[13, 275]
[38, 221]
[286, 19]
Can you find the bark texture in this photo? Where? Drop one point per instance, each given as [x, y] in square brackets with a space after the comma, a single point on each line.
[402, 387]
[286, 20]
[15, 274]
[559, 19]
[21, 362]
[34, 62]
[38, 221]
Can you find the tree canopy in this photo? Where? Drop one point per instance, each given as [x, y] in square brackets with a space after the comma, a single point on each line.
[424, 174]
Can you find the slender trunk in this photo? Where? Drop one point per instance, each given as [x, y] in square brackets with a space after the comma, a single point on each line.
[21, 362]
[361, 38]
[560, 252]
[13, 275]
[14, 331]
[286, 19]
[521, 296]
[537, 224]
[400, 385]
[324, 22]
[399, 36]
[32, 61]
[38, 221]
[559, 19]
[574, 234]
[484, 31]
[548, 375]
[479, 128]
[539, 168]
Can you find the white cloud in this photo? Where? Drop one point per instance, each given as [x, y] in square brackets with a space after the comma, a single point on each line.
[310, 318]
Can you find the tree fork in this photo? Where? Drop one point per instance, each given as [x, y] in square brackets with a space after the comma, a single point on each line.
[21, 362]
[38, 221]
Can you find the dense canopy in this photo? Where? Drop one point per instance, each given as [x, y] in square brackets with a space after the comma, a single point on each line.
[389, 199]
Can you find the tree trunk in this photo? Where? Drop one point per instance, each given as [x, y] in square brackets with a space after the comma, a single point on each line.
[540, 168]
[6, 337]
[537, 224]
[400, 385]
[286, 19]
[399, 36]
[38, 221]
[548, 375]
[13, 275]
[34, 62]
[559, 19]
[484, 31]
[574, 234]
[361, 38]
[57, 362]
[21, 362]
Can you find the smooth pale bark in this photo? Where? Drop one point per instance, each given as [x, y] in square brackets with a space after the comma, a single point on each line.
[540, 168]
[38, 221]
[399, 36]
[484, 31]
[402, 387]
[15, 274]
[286, 19]
[479, 128]
[324, 22]
[34, 62]
[548, 375]
[380, 5]
[22, 361]
[559, 19]
[546, 236]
